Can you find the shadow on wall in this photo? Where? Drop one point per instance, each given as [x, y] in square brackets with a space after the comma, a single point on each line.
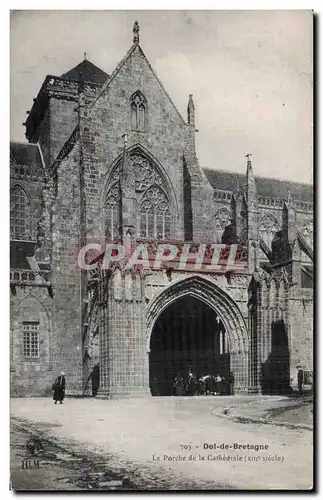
[275, 372]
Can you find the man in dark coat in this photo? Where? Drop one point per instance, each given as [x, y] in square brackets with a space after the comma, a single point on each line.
[300, 379]
[95, 378]
[59, 388]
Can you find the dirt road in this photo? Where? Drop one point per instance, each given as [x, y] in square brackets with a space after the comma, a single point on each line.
[168, 443]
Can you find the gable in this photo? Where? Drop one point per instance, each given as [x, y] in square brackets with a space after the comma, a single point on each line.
[134, 73]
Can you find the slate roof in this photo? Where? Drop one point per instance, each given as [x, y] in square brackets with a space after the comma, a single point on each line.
[269, 187]
[91, 73]
[27, 155]
[19, 251]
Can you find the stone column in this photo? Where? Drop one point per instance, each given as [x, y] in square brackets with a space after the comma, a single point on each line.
[125, 345]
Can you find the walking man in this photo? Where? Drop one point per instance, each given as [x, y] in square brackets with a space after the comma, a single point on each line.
[59, 388]
[300, 379]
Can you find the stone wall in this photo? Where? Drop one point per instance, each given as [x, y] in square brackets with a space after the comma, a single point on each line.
[32, 377]
[63, 118]
[301, 328]
[166, 138]
[65, 275]
[33, 189]
[125, 326]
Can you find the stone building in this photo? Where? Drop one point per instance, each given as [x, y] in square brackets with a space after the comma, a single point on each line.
[77, 182]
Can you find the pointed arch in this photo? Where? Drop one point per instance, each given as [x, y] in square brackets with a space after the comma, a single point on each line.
[148, 172]
[28, 296]
[268, 227]
[30, 329]
[113, 173]
[206, 290]
[154, 214]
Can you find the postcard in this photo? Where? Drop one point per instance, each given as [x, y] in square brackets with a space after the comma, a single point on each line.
[161, 250]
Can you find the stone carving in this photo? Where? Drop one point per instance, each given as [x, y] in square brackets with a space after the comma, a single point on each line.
[152, 290]
[138, 287]
[222, 219]
[128, 287]
[154, 216]
[93, 342]
[268, 228]
[307, 231]
[112, 212]
[241, 281]
[117, 285]
[211, 295]
[138, 112]
[144, 173]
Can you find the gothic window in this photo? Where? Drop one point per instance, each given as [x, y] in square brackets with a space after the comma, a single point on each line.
[154, 219]
[31, 339]
[19, 214]
[138, 112]
[112, 213]
[153, 214]
[268, 228]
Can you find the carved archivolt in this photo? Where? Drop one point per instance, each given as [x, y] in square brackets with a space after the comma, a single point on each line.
[209, 293]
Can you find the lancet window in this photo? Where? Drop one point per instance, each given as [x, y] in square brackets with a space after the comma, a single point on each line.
[138, 112]
[112, 213]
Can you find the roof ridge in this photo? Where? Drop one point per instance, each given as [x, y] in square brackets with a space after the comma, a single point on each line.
[258, 176]
[24, 143]
[162, 85]
[111, 77]
[85, 61]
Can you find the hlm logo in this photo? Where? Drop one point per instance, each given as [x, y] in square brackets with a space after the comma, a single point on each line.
[30, 464]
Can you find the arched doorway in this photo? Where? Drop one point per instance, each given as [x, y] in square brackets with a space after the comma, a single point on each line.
[211, 304]
[188, 336]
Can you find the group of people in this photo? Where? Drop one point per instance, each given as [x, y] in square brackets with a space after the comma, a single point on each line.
[203, 386]
[192, 385]
[303, 378]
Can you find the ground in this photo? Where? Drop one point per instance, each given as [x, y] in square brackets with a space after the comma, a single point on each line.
[163, 443]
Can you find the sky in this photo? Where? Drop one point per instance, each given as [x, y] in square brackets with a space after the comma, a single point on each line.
[250, 73]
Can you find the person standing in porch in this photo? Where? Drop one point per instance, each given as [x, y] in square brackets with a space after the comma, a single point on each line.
[59, 388]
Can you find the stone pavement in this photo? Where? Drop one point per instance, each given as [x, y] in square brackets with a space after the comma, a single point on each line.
[171, 439]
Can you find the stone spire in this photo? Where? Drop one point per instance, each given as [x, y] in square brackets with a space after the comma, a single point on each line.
[251, 190]
[252, 216]
[136, 32]
[191, 111]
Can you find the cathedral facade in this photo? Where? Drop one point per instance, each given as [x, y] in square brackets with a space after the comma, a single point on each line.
[109, 159]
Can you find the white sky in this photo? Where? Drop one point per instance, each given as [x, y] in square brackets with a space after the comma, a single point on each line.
[250, 73]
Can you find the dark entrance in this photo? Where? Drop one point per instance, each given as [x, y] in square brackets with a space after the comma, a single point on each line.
[187, 336]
